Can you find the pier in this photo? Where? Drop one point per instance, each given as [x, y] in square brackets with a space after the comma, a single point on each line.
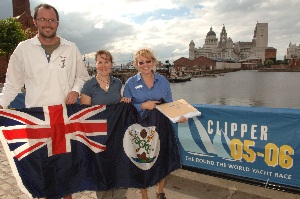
[124, 74]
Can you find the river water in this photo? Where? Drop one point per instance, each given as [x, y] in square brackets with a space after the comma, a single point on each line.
[242, 88]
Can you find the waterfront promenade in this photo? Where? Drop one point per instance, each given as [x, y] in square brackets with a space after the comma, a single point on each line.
[181, 184]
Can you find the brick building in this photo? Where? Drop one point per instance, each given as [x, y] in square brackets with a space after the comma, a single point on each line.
[294, 63]
[270, 53]
[21, 11]
[201, 62]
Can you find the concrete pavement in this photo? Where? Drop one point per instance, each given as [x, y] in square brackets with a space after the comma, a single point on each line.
[181, 184]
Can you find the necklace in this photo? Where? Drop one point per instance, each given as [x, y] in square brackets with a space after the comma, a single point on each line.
[106, 82]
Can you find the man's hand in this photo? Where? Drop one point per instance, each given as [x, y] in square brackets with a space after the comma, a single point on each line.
[72, 97]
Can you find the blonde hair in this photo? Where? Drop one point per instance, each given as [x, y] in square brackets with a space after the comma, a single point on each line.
[145, 52]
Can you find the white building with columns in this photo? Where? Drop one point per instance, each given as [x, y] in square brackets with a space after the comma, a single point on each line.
[293, 51]
[225, 48]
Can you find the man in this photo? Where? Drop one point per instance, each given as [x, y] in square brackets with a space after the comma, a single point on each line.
[50, 67]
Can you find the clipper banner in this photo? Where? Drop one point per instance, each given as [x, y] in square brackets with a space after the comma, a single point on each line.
[251, 142]
[58, 150]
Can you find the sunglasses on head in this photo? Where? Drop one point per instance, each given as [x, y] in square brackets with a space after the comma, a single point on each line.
[147, 62]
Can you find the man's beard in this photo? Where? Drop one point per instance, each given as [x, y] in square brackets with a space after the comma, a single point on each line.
[51, 36]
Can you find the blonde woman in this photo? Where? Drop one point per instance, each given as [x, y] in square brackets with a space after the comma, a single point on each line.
[152, 87]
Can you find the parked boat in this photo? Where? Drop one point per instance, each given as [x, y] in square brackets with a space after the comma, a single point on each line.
[174, 75]
[180, 78]
[206, 75]
[209, 75]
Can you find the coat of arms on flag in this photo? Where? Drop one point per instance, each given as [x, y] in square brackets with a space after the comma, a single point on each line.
[58, 150]
[145, 145]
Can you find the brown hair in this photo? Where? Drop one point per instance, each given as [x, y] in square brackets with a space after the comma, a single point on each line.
[46, 6]
[105, 52]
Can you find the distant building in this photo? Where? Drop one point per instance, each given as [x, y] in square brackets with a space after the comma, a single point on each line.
[293, 51]
[205, 63]
[293, 56]
[252, 53]
[201, 62]
[21, 11]
[270, 54]
[211, 48]
[224, 64]
[294, 63]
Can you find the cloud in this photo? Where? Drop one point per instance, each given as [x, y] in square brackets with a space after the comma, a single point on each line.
[168, 26]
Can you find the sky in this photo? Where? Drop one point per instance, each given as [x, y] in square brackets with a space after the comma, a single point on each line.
[168, 26]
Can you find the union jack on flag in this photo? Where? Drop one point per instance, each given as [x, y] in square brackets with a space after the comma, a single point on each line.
[55, 130]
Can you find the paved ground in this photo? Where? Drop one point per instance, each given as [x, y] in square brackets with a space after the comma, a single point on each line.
[181, 184]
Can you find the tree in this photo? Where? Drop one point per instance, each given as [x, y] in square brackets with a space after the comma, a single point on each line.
[268, 63]
[11, 35]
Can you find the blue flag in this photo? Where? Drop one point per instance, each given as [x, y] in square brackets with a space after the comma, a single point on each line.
[63, 149]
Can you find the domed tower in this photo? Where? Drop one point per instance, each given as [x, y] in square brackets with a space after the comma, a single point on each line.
[211, 32]
[211, 41]
[20, 6]
[192, 50]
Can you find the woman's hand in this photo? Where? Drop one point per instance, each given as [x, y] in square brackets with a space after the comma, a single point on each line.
[149, 105]
[126, 99]
[182, 119]
[72, 97]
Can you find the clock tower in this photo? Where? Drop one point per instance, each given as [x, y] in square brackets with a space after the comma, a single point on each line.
[21, 11]
[223, 38]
